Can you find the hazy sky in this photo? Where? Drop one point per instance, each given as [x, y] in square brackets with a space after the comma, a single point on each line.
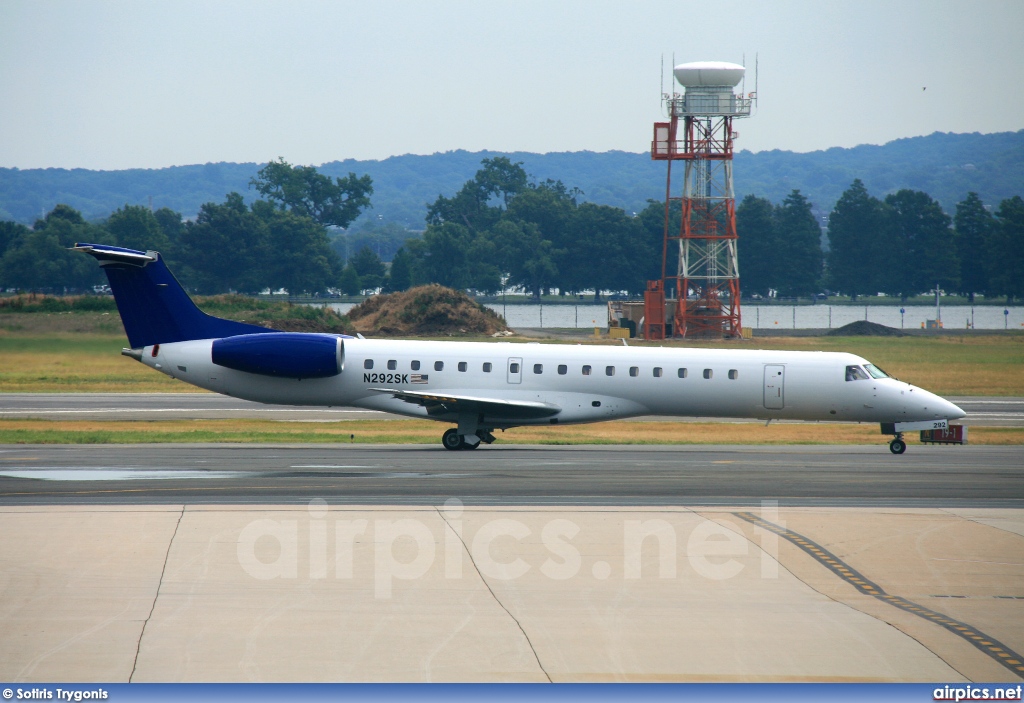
[107, 85]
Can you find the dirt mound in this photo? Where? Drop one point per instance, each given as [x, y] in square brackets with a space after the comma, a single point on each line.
[863, 328]
[426, 310]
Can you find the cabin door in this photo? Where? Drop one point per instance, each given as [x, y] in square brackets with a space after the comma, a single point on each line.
[515, 370]
[774, 386]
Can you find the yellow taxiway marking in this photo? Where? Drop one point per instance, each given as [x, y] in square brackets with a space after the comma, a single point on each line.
[992, 647]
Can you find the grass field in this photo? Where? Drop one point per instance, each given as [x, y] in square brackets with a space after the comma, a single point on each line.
[422, 431]
[69, 360]
[76, 363]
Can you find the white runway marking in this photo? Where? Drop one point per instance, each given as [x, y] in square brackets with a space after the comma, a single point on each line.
[330, 466]
[43, 411]
[118, 474]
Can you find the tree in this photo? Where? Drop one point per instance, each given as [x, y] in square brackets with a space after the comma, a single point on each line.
[400, 276]
[297, 256]
[522, 252]
[924, 242]
[498, 181]
[370, 268]
[135, 227]
[975, 227]
[453, 256]
[859, 248]
[304, 191]
[798, 236]
[598, 251]
[758, 246]
[41, 259]
[61, 212]
[349, 281]
[10, 234]
[1007, 249]
[549, 205]
[170, 223]
[223, 249]
[443, 255]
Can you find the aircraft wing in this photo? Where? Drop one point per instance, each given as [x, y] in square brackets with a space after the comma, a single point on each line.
[443, 403]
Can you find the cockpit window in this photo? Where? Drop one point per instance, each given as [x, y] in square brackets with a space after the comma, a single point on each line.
[875, 371]
[855, 373]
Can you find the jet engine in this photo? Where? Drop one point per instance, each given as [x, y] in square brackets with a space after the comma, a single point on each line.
[281, 354]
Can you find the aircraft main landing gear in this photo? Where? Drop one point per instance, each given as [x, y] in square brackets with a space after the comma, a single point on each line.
[453, 441]
[898, 445]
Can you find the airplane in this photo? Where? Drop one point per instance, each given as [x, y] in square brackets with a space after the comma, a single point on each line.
[481, 387]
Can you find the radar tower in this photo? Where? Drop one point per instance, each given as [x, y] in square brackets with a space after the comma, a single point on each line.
[705, 279]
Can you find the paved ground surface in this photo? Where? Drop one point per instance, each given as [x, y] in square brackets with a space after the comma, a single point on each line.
[184, 592]
[985, 411]
[521, 563]
[516, 474]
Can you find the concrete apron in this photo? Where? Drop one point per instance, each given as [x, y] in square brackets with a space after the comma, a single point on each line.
[329, 593]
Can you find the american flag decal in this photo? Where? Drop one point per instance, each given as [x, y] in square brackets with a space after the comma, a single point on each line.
[418, 377]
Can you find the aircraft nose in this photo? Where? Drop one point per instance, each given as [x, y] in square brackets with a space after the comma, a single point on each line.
[937, 406]
[953, 411]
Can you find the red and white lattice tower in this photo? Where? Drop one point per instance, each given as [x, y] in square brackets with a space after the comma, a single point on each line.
[706, 282]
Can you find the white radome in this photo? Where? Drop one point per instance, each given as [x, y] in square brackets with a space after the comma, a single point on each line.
[708, 73]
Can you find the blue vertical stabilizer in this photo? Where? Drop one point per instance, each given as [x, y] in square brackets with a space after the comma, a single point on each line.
[154, 308]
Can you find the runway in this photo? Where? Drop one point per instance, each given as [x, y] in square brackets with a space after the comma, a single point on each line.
[984, 411]
[415, 475]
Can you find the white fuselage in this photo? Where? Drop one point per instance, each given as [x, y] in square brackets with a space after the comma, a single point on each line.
[622, 382]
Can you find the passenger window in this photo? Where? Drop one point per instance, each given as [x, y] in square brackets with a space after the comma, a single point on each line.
[513, 368]
[733, 374]
[708, 373]
[538, 368]
[562, 369]
[657, 372]
[368, 364]
[415, 366]
[586, 370]
[487, 367]
[463, 366]
[438, 366]
[609, 370]
[634, 371]
[392, 364]
[681, 373]
[855, 373]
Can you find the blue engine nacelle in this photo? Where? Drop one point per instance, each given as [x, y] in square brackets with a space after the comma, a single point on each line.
[281, 354]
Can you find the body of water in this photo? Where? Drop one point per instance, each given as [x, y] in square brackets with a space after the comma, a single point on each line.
[987, 317]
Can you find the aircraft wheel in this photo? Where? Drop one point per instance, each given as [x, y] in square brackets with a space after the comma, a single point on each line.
[897, 446]
[467, 445]
[451, 440]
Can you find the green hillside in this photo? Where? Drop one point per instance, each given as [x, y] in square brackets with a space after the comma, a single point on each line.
[946, 166]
